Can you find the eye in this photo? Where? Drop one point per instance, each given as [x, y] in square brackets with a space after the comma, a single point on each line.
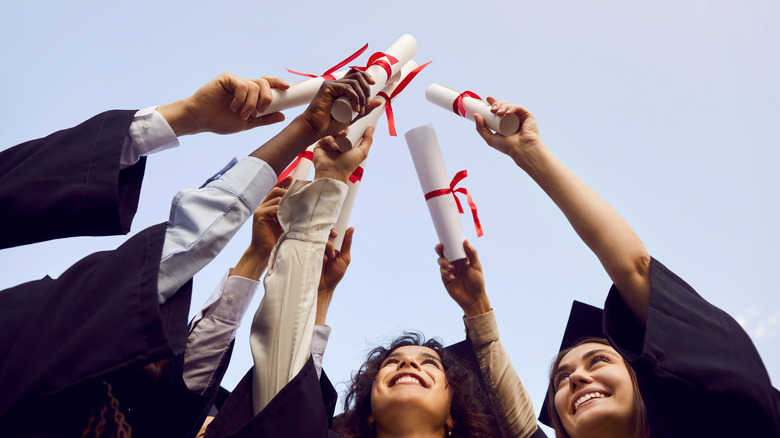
[432, 362]
[389, 361]
[560, 378]
[598, 358]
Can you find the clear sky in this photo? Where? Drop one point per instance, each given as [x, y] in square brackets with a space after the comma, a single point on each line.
[668, 109]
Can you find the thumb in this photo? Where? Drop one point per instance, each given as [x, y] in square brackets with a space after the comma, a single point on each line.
[267, 119]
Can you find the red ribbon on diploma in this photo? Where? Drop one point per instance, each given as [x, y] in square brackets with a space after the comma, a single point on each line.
[309, 155]
[388, 107]
[357, 175]
[455, 180]
[457, 105]
[328, 73]
[375, 59]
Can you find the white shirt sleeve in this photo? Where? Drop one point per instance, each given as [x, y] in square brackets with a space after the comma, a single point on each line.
[149, 133]
[213, 331]
[319, 340]
[282, 328]
[202, 221]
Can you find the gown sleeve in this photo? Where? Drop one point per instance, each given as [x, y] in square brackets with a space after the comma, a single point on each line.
[697, 370]
[69, 183]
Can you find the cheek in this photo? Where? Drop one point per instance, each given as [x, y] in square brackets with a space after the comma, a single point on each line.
[560, 400]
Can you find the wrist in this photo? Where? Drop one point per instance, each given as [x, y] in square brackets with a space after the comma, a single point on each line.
[479, 307]
[332, 174]
[179, 117]
[306, 129]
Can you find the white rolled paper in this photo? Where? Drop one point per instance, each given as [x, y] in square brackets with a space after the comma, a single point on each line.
[304, 166]
[299, 93]
[342, 223]
[403, 50]
[356, 129]
[444, 97]
[429, 164]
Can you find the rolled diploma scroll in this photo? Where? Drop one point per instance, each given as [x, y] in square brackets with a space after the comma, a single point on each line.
[299, 93]
[444, 97]
[304, 166]
[429, 164]
[355, 130]
[402, 50]
[346, 209]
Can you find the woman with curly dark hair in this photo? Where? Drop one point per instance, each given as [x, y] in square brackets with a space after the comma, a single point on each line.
[405, 387]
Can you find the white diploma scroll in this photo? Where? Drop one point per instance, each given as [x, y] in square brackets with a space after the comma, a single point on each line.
[356, 129]
[403, 50]
[342, 223]
[299, 93]
[429, 164]
[304, 166]
[445, 97]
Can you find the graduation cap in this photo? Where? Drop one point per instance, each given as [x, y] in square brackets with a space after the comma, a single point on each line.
[585, 321]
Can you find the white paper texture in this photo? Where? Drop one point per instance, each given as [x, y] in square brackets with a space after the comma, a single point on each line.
[403, 50]
[429, 164]
[342, 223]
[357, 128]
[444, 97]
[299, 93]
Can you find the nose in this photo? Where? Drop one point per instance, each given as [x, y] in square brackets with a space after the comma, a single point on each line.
[579, 377]
[408, 361]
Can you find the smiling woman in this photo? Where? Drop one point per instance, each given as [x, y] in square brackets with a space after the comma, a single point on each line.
[417, 385]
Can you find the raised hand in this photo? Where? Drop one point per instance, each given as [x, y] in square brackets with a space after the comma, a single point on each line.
[224, 105]
[518, 145]
[334, 266]
[464, 281]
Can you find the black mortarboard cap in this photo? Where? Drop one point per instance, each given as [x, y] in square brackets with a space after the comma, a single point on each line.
[585, 321]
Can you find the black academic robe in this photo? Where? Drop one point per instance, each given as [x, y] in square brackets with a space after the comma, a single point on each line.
[98, 321]
[69, 183]
[698, 372]
[303, 408]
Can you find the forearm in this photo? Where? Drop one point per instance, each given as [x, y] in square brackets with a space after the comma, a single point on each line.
[280, 150]
[203, 221]
[511, 402]
[617, 247]
[283, 325]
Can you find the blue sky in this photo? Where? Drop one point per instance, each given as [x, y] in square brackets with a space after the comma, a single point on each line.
[667, 109]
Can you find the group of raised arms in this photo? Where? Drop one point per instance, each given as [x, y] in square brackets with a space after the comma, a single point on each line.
[106, 350]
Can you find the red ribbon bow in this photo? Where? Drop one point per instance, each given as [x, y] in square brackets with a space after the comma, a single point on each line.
[455, 180]
[329, 73]
[388, 107]
[457, 105]
[357, 175]
[375, 59]
[309, 155]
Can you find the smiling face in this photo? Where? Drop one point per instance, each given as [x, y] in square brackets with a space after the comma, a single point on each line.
[411, 389]
[594, 394]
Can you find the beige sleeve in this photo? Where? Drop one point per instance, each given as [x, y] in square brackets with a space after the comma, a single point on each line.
[511, 402]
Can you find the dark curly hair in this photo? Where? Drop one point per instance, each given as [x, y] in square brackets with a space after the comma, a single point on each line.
[470, 408]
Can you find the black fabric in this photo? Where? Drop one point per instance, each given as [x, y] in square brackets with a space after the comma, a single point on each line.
[62, 337]
[69, 183]
[698, 371]
[303, 408]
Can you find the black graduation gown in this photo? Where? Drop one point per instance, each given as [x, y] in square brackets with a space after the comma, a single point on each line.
[69, 183]
[303, 408]
[698, 371]
[62, 337]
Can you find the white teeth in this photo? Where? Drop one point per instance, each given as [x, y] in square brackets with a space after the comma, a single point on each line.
[408, 379]
[587, 397]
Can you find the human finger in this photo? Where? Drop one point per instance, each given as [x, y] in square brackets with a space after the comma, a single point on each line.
[267, 119]
[483, 129]
[330, 250]
[333, 233]
[471, 254]
[265, 97]
[238, 87]
[346, 244]
[250, 100]
[278, 83]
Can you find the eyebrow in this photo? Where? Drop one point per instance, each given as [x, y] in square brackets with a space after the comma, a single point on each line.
[586, 356]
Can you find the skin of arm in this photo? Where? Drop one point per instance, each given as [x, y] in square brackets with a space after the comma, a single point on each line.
[334, 266]
[617, 247]
[465, 283]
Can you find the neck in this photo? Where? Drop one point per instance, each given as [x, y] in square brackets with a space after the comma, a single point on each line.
[406, 431]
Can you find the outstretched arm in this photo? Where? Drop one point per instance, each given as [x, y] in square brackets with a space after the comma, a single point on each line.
[618, 248]
[466, 285]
